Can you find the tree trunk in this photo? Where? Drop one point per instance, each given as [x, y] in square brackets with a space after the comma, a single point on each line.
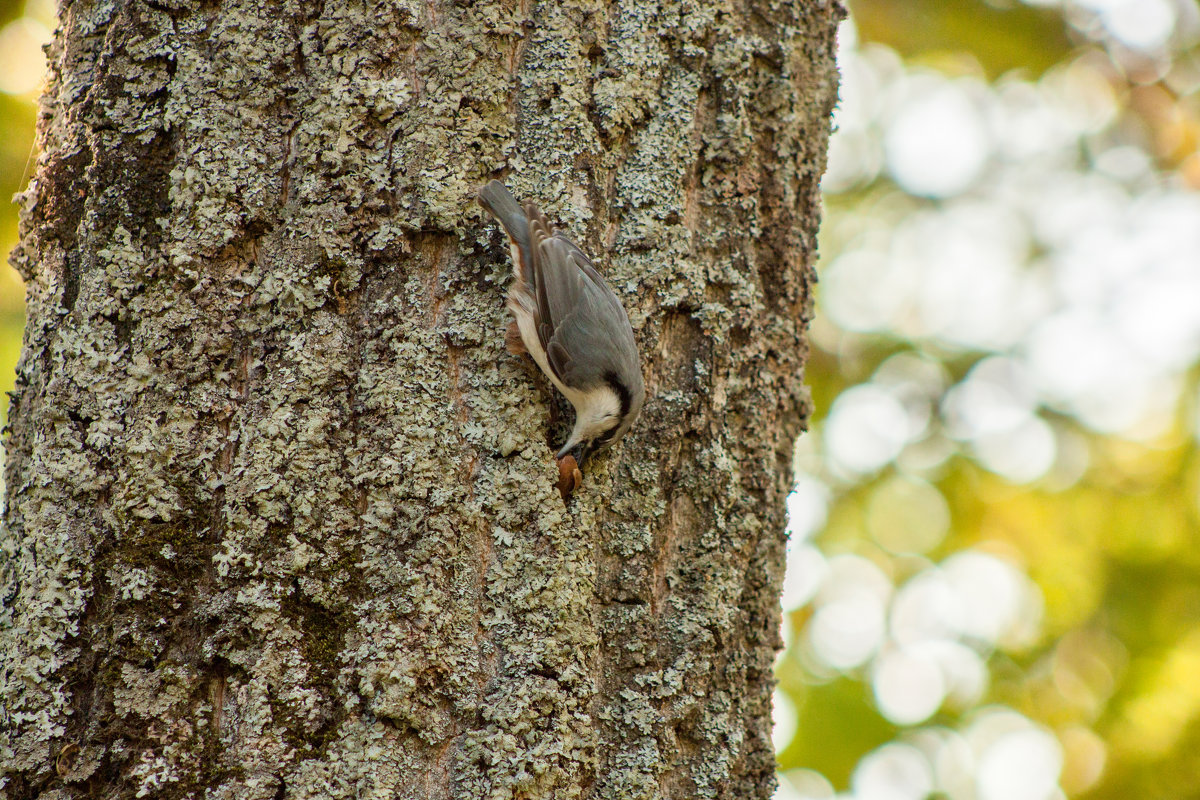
[282, 518]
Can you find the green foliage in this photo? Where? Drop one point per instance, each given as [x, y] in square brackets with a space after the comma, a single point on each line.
[999, 37]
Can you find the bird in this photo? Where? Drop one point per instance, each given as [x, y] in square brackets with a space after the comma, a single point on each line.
[572, 324]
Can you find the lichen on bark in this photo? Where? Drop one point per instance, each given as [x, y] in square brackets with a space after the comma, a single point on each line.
[281, 515]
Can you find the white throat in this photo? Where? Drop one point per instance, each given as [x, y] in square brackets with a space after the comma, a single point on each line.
[597, 409]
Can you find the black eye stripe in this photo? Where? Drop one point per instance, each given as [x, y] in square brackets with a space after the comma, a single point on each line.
[622, 393]
[603, 440]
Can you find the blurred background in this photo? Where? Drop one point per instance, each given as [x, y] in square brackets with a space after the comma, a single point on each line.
[993, 586]
[24, 28]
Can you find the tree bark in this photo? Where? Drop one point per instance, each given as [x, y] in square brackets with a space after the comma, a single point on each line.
[282, 519]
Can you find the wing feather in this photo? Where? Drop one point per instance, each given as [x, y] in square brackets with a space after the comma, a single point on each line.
[587, 334]
[582, 326]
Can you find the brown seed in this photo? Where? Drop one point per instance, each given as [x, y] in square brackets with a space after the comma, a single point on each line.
[569, 476]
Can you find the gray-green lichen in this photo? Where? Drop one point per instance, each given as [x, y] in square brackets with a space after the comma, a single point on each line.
[281, 513]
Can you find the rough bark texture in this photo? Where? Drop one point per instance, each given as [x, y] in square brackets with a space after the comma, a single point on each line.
[281, 513]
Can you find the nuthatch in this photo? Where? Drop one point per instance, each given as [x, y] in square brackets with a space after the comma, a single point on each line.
[573, 325]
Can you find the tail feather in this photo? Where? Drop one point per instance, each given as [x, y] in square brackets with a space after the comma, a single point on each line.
[498, 200]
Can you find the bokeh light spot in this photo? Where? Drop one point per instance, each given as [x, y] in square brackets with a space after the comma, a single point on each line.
[22, 65]
[867, 427]
[806, 507]
[803, 784]
[1140, 24]
[849, 624]
[1022, 764]
[806, 569]
[909, 686]
[846, 632]
[997, 599]
[937, 145]
[906, 515]
[893, 772]
[783, 714]
[1085, 755]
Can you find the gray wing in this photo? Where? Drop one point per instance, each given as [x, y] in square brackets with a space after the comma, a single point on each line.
[581, 324]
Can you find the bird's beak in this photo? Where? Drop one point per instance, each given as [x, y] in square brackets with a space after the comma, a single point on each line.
[580, 451]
